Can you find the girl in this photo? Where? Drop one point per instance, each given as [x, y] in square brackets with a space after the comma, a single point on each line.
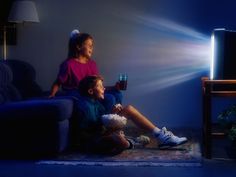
[79, 65]
[91, 129]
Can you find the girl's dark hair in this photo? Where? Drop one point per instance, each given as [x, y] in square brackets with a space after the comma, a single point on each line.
[87, 83]
[77, 40]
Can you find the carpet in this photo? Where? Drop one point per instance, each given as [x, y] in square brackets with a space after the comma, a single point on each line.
[188, 154]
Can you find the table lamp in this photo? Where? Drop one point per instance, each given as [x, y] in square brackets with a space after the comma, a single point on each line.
[21, 12]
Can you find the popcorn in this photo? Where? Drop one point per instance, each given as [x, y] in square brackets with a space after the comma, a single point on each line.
[114, 121]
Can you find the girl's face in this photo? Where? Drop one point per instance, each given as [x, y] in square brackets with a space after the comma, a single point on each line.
[98, 90]
[87, 48]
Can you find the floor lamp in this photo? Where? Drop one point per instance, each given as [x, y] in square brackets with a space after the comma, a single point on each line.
[21, 12]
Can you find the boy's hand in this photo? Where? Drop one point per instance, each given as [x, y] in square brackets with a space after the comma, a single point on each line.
[117, 108]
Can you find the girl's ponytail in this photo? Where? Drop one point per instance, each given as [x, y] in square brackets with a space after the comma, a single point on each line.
[74, 33]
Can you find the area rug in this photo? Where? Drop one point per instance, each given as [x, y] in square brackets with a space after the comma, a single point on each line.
[188, 154]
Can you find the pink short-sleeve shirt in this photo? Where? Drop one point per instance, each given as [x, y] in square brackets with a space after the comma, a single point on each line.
[71, 72]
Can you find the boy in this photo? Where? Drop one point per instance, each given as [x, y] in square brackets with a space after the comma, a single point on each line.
[94, 135]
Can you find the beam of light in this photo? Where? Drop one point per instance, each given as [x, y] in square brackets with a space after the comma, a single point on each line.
[168, 26]
[172, 54]
[212, 56]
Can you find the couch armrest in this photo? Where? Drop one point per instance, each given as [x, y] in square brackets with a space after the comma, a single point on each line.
[35, 128]
[48, 109]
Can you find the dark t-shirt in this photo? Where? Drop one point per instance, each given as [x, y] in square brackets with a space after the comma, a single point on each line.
[90, 114]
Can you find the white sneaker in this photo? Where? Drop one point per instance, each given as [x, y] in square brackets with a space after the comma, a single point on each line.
[143, 140]
[139, 142]
[168, 139]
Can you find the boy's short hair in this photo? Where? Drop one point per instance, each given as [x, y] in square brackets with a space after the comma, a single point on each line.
[89, 82]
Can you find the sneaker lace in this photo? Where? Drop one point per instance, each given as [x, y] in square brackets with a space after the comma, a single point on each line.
[167, 133]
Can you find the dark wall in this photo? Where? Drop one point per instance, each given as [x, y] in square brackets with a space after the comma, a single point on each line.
[5, 6]
[163, 46]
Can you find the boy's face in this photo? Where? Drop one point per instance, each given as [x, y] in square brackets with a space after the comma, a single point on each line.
[98, 91]
[87, 48]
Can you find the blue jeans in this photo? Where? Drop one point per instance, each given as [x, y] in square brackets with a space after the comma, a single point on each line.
[111, 98]
[116, 94]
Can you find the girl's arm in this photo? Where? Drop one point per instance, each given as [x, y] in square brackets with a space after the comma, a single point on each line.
[54, 89]
[116, 87]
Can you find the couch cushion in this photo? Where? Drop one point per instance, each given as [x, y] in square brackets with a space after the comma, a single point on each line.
[8, 92]
[24, 78]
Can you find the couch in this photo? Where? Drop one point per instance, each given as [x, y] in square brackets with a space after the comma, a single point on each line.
[30, 125]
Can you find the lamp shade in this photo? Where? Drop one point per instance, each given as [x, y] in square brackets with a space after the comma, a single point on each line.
[23, 11]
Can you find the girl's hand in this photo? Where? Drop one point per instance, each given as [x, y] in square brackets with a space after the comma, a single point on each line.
[117, 86]
[51, 96]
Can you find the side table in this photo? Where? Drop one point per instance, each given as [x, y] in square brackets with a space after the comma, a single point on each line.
[210, 89]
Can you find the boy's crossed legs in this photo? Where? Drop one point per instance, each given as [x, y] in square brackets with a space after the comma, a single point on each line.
[164, 137]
